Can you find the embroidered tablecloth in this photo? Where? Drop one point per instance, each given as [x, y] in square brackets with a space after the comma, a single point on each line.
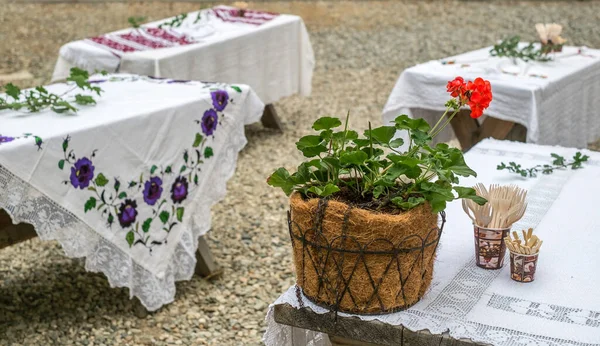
[562, 305]
[557, 101]
[270, 52]
[127, 183]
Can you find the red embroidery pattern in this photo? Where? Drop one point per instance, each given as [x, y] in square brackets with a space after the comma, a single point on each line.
[105, 41]
[168, 36]
[144, 41]
[231, 14]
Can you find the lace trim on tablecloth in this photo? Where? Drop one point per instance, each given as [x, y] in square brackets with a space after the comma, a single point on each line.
[26, 204]
[447, 311]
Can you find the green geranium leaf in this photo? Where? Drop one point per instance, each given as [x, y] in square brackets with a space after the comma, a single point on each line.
[281, 178]
[90, 204]
[130, 237]
[361, 142]
[458, 165]
[409, 204]
[469, 193]
[164, 216]
[328, 190]
[101, 180]
[349, 135]
[84, 100]
[326, 123]
[197, 140]
[383, 134]
[398, 142]
[378, 190]
[353, 158]
[404, 122]
[420, 137]
[146, 225]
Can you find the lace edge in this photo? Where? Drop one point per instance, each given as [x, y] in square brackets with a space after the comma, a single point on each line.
[84, 233]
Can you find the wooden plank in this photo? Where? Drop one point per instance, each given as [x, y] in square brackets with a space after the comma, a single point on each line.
[354, 331]
[205, 263]
[270, 119]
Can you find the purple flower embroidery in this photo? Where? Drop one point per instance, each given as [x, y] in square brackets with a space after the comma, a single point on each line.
[127, 213]
[209, 122]
[219, 98]
[179, 190]
[82, 173]
[152, 190]
[6, 139]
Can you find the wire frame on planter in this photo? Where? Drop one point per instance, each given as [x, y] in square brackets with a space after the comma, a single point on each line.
[347, 274]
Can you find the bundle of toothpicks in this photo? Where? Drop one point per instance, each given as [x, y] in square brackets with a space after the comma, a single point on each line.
[529, 245]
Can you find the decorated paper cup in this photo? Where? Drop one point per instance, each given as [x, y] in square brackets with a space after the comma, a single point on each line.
[522, 266]
[490, 248]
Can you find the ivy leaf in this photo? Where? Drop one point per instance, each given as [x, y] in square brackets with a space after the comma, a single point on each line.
[84, 99]
[117, 185]
[122, 195]
[168, 169]
[196, 179]
[197, 140]
[236, 88]
[65, 144]
[185, 156]
[180, 214]
[353, 158]
[153, 169]
[146, 225]
[328, 190]
[12, 91]
[182, 169]
[326, 123]
[111, 219]
[101, 180]
[383, 134]
[164, 216]
[90, 204]
[208, 152]
[130, 237]
[61, 164]
[281, 178]
[469, 193]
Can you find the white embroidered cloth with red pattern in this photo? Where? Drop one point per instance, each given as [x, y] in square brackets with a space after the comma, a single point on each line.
[268, 51]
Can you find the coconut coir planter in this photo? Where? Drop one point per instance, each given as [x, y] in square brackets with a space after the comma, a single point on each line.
[359, 261]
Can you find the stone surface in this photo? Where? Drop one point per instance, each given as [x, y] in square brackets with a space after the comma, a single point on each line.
[361, 47]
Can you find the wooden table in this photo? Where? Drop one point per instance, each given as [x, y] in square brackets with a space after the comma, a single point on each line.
[352, 331]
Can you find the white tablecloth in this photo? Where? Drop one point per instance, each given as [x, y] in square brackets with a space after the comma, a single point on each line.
[562, 305]
[275, 58]
[127, 183]
[558, 101]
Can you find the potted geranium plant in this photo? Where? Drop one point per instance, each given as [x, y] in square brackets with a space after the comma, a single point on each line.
[364, 214]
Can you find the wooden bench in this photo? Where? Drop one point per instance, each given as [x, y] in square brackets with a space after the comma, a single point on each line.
[352, 331]
[469, 132]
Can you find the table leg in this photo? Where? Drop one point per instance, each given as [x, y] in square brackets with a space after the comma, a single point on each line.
[270, 119]
[205, 264]
[469, 132]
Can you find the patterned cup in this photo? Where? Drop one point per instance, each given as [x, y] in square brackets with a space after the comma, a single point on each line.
[522, 267]
[490, 248]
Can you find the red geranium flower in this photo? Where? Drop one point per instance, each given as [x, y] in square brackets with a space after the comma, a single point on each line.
[479, 94]
[456, 87]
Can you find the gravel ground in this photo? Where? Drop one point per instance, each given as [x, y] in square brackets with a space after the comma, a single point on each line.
[361, 47]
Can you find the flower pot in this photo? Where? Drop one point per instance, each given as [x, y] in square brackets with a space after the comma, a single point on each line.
[522, 267]
[359, 261]
[490, 248]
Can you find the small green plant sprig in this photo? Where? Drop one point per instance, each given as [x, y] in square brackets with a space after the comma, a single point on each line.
[136, 22]
[175, 22]
[39, 98]
[510, 48]
[344, 160]
[558, 163]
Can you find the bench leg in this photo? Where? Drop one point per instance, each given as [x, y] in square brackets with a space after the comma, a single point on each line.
[270, 119]
[205, 264]
[469, 132]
